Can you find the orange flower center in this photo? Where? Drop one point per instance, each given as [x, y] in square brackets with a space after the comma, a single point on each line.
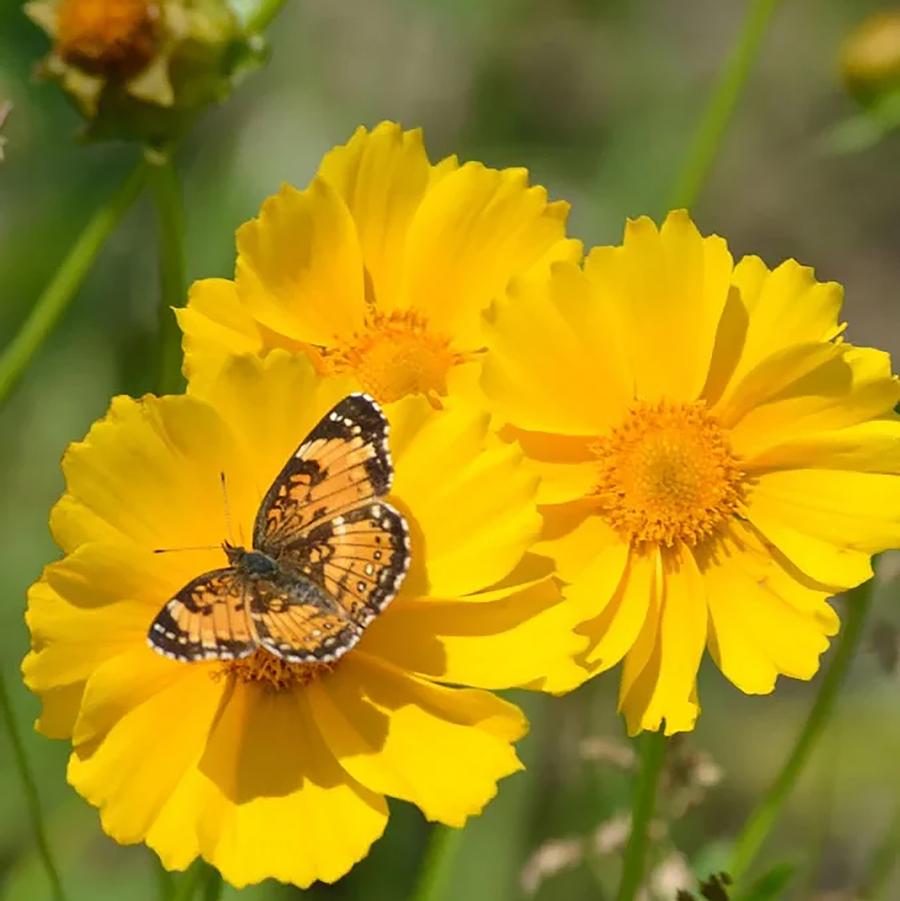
[108, 37]
[274, 673]
[668, 474]
[397, 355]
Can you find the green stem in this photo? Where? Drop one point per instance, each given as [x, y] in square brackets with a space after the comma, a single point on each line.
[260, 17]
[653, 752]
[31, 794]
[212, 885]
[167, 198]
[64, 285]
[721, 105]
[882, 863]
[764, 817]
[443, 845]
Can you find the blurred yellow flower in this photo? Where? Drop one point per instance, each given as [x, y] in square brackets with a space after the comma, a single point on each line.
[870, 55]
[266, 768]
[717, 462]
[381, 268]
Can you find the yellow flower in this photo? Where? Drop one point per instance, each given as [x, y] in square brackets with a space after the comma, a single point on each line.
[717, 462]
[381, 268]
[261, 767]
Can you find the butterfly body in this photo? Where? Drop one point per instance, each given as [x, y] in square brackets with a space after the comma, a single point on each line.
[328, 555]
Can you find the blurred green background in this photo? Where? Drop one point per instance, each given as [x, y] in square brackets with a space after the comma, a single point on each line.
[599, 100]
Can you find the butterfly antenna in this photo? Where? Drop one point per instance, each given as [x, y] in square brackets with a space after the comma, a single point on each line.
[228, 524]
[199, 547]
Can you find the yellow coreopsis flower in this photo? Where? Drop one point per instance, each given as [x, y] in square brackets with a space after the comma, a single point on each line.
[261, 766]
[381, 268]
[717, 461]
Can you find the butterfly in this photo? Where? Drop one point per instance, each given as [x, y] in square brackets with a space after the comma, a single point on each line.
[328, 555]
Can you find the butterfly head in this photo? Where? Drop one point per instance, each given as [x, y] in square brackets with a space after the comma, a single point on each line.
[250, 563]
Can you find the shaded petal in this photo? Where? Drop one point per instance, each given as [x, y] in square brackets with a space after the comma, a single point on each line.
[268, 798]
[270, 405]
[149, 472]
[382, 176]
[781, 372]
[215, 323]
[828, 522]
[545, 336]
[483, 498]
[621, 608]
[577, 540]
[773, 311]
[867, 447]
[659, 676]
[474, 230]
[526, 637]
[378, 721]
[670, 287]
[143, 722]
[300, 268]
[849, 388]
[766, 619]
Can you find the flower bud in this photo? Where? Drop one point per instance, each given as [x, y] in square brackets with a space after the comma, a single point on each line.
[870, 57]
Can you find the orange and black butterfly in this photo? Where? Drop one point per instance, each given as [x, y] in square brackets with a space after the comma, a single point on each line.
[328, 555]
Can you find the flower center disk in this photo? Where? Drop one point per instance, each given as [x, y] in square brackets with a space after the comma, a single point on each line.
[397, 355]
[667, 474]
[109, 37]
[273, 673]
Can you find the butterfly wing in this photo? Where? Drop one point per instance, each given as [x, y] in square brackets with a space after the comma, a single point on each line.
[296, 620]
[206, 620]
[343, 463]
[360, 558]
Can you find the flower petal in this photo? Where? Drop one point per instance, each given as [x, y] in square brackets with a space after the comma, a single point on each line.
[544, 338]
[828, 522]
[524, 638]
[269, 799]
[484, 498]
[474, 230]
[620, 613]
[143, 722]
[659, 676]
[764, 621]
[382, 176]
[846, 390]
[300, 268]
[149, 472]
[777, 310]
[215, 323]
[378, 721]
[670, 287]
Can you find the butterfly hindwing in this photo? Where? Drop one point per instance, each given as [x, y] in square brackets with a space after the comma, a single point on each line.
[297, 621]
[343, 462]
[206, 620]
[359, 558]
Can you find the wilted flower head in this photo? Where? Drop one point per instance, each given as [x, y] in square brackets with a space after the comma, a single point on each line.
[139, 68]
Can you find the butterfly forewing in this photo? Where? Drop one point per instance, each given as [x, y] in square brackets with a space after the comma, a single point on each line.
[206, 620]
[343, 463]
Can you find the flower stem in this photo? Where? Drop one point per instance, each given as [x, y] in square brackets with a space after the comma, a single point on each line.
[652, 754]
[31, 794]
[167, 198]
[763, 818]
[721, 105]
[64, 285]
[443, 845]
